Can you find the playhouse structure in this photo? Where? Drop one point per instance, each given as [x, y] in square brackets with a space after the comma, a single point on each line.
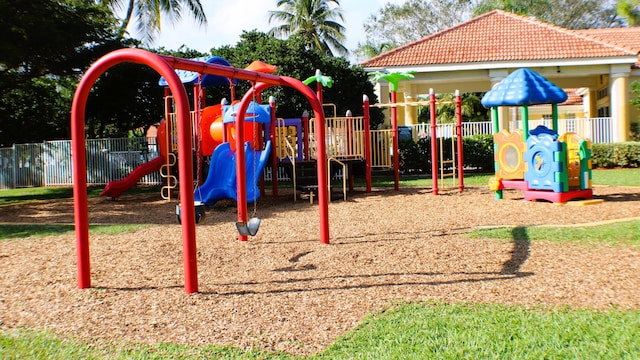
[541, 163]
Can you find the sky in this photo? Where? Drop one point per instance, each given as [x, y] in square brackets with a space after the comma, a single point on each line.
[227, 20]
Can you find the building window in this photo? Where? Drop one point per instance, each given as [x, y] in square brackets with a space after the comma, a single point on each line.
[570, 122]
[604, 112]
[602, 93]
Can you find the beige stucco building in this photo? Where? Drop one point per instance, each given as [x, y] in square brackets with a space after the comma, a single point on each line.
[473, 56]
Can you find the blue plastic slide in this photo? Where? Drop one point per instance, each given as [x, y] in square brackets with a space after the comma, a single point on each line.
[221, 181]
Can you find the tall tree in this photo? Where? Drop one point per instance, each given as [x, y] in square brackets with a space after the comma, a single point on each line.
[398, 24]
[44, 47]
[148, 13]
[316, 22]
[570, 14]
[630, 11]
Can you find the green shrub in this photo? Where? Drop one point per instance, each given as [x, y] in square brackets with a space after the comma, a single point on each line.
[415, 157]
[626, 154]
[478, 152]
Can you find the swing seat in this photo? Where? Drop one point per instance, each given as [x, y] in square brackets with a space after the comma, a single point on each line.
[250, 228]
[199, 211]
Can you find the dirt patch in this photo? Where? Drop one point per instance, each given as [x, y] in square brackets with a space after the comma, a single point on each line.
[283, 290]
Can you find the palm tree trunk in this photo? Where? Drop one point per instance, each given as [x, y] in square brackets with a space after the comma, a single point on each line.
[127, 19]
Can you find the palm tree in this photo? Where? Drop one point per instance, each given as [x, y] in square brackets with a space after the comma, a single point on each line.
[147, 14]
[630, 11]
[370, 49]
[314, 21]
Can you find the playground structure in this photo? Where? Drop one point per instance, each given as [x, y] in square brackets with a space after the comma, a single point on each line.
[166, 66]
[541, 163]
[236, 166]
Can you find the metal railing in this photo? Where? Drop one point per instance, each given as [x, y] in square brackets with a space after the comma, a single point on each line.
[49, 163]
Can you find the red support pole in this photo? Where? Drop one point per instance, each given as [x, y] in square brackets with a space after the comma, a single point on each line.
[367, 141]
[159, 64]
[197, 136]
[274, 148]
[460, 146]
[394, 129]
[434, 145]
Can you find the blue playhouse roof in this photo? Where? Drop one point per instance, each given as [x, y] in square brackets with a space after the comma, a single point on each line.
[255, 113]
[190, 77]
[524, 87]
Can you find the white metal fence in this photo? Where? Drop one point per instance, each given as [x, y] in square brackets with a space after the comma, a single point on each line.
[49, 163]
[597, 130]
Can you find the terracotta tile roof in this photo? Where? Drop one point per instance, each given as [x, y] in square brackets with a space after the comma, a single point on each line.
[574, 98]
[498, 36]
[624, 37]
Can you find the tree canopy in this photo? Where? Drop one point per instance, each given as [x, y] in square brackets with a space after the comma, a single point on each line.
[629, 10]
[316, 22]
[148, 14]
[398, 24]
[44, 47]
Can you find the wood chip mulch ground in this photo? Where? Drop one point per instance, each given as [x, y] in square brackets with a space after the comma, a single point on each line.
[283, 290]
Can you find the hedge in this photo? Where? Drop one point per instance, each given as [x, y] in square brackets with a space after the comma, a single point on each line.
[625, 154]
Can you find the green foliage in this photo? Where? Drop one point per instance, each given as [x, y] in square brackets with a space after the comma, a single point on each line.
[294, 59]
[51, 38]
[315, 22]
[149, 13]
[125, 97]
[415, 157]
[629, 10]
[478, 152]
[36, 110]
[625, 234]
[44, 46]
[398, 24]
[626, 154]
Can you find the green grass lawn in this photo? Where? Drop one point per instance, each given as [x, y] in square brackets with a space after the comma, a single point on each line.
[616, 177]
[625, 233]
[405, 331]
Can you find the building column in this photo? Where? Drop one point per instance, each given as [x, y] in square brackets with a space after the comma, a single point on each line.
[381, 89]
[410, 111]
[495, 76]
[619, 98]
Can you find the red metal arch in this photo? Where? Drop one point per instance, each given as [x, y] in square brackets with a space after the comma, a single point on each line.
[165, 66]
